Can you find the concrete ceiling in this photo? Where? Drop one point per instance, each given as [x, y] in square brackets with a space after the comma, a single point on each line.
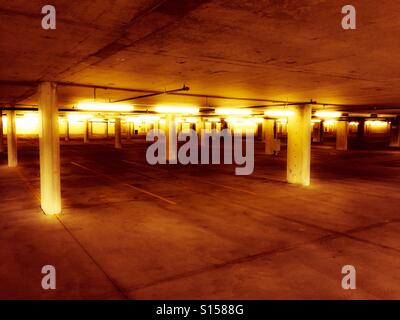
[273, 49]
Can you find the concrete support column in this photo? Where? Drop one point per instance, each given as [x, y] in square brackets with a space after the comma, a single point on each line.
[321, 131]
[263, 130]
[199, 126]
[118, 143]
[129, 131]
[12, 139]
[133, 129]
[85, 131]
[269, 135]
[90, 129]
[316, 132]
[67, 130]
[361, 129]
[395, 133]
[106, 130]
[342, 130]
[299, 146]
[49, 144]
[178, 127]
[170, 139]
[1, 133]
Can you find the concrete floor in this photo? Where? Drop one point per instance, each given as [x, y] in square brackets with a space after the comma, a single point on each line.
[129, 230]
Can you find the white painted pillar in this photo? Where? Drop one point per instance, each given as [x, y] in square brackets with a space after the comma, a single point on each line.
[129, 131]
[199, 124]
[395, 133]
[106, 130]
[1, 133]
[90, 129]
[178, 127]
[49, 144]
[67, 130]
[170, 139]
[342, 130]
[269, 135]
[263, 130]
[85, 131]
[118, 144]
[213, 125]
[316, 132]
[12, 139]
[299, 145]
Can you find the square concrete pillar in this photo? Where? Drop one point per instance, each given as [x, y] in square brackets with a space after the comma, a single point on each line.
[12, 139]
[128, 130]
[342, 131]
[90, 129]
[49, 144]
[263, 130]
[118, 138]
[361, 129]
[269, 136]
[1, 133]
[395, 133]
[106, 134]
[67, 138]
[316, 132]
[170, 139]
[85, 131]
[200, 125]
[299, 145]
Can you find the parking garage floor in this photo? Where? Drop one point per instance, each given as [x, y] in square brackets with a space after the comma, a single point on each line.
[134, 231]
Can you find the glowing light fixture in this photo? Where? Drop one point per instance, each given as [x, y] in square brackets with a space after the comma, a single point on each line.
[377, 123]
[328, 114]
[76, 117]
[354, 123]
[95, 106]
[232, 120]
[278, 113]
[192, 120]
[147, 118]
[230, 111]
[330, 122]
[177, 109]
[256, 120]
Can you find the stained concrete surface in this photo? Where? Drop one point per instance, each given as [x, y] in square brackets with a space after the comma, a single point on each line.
[134, 231]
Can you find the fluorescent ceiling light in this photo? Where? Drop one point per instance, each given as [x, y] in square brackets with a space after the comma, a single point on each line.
[279, 113]
[377, 123]
[257, 120]
[177, 109]
[78, 117]
[192, 120]
[328, 114]
[95, 106]
[230, 111]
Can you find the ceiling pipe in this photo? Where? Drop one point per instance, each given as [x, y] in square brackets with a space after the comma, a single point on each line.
[29, 83]
[281, 105]
[172, 92]
[184, 88]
